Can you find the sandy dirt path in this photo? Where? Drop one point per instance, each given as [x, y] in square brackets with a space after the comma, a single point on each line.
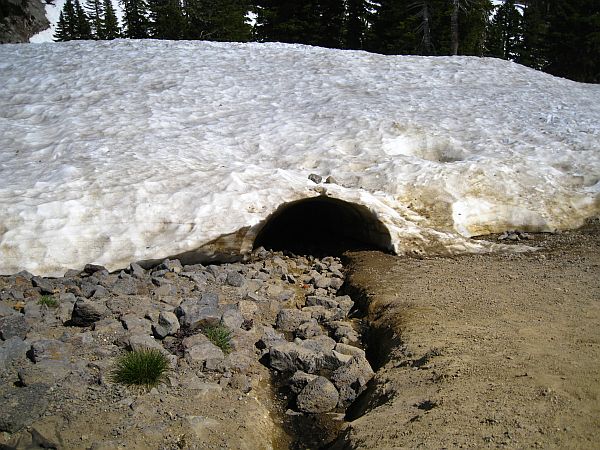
[483, 351]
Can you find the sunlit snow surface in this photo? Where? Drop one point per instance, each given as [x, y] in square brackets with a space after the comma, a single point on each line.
[112, 152]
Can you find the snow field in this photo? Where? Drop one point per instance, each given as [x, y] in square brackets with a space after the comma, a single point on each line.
[117, 151]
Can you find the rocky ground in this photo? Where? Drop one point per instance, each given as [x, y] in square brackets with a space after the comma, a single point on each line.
[295, 355]
[479, 351]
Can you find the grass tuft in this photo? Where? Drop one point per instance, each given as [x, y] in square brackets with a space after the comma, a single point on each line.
[219, 335]
[48, 300]
[146, 367]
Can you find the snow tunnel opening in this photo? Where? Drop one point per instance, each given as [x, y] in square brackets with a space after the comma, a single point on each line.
[323, 226]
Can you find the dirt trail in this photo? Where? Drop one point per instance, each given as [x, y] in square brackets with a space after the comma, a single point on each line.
[483, 351]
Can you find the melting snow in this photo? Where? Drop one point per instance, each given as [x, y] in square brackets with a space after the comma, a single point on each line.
[112, 152]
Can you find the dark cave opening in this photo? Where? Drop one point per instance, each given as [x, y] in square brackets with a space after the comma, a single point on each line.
[323, 226]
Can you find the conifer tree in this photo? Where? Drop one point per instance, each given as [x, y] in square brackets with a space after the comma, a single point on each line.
[505, 31]
[166, 19]
[135, 17]
[110, 23]
[83, 29]
[533, 47]
[95, 12]
[356, 24]
[66, 28]
[394, 29]
[223, 20]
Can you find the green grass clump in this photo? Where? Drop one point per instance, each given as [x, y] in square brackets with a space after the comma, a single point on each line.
[146, 367]
[219, 335]
[48, 300]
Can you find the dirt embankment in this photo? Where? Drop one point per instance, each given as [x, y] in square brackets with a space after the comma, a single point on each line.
[483, 351]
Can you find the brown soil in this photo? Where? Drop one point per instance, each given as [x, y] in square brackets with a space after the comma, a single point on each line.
[483, 351]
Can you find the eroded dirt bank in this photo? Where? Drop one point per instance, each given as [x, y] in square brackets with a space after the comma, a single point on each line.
[483, 351]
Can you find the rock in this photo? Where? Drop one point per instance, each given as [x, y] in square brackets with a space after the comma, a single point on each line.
[241, 382]
[137, 271]
[290, 319]
[330, 180]
[202, 352]
[326, 302]
[167, 325]
[100, 292]
[125, 286]
[322, 282]
[45, 433]
[43, 285]
[315, 178]
[351, 379]
[198, 316]
[309, 329]
[350, 350]
[136, 325]
[12, 350]
[322, 314]
[22, 406]
[269, 338]
[318, 396]
[47, 372]
[335, 283]
[11, 294]
[86, 312]
[290, 357]
[13, 325]
[345, 303]
[299, 380]
[321, 343]
[91, 269]
[172, 265]
[49, 349]
[247, 309]
[6, 310]
[137, 342]
[232, 319]
[235, 279]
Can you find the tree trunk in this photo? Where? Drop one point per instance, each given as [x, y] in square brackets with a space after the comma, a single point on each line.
[454, 27]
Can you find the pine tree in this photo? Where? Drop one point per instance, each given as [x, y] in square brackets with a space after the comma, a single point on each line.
[331, 17]
[167, 20]
[136, 22]
[290, 21]
[505, 32]
[110, 23]
[83, 30]
[394, 29]
[66, 28]
[356, 24]
[223, 20]
[95, 12]
[533, 49]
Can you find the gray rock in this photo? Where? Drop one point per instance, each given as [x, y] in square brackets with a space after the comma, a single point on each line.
[241, 382]
[200, 351]
[235, 279]
[46, 434]
[326, 302]
[330, 180]
[143, 341]
[11, 294]
[172, 265]
[13, 325]
[318, 396]
[351, 379]
[269, 338]
[335, 283]
[198, 316]
[100, 292]
[290, 319]
[86, 312]
[167, 325]
[232, 319]
[45, 286]
[290, 357]
[47, 372]
[22, 406]
[125, 286]
[315, 178]
[322, 282]
[137, 271]
[12, 350]
[321, 343]
[136, 325]
[6, 310]
[322, 314]
[345, 303]
[350, 350]
[91, 269]
[309, 329]
[87, 288]
[299, 380]
[49, 349]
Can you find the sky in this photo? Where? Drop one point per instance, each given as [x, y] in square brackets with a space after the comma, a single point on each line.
[120, 151]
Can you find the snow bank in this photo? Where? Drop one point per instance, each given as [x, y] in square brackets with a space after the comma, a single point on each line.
[112, 152]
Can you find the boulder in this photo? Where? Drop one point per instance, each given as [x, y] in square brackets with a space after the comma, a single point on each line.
[318, 396]
[49, 349]
[235, 279]
[351, 379]
[167, 325]
[290, 319]
[13, 325]
[86, 312]
[299, 380]
[44, 285]
[22, 406]
[290, 357]
[12, 350]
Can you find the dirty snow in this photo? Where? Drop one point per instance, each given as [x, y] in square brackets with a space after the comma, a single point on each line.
[112, 152]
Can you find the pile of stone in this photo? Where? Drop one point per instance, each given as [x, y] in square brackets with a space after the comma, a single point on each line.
[60, 337]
